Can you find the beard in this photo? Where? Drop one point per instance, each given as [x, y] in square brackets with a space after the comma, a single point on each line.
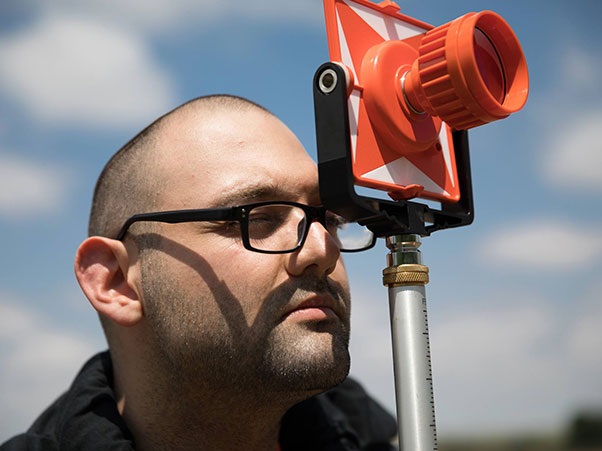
[205, 340]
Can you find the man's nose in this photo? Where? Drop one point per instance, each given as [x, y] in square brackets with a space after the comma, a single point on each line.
[320, 252]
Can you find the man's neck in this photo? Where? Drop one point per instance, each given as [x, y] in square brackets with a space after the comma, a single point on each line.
[164, 416]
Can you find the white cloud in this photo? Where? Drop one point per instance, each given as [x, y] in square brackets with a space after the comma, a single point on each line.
[584, 341]
[371, 355]
[168, 15]
[38, 363]
[501, 369]
[573, 158]
[579, 69]
[542, 244]
[28, 188]
[512, 368]
[570, 115]
[514, 362]
[89, 63]
[67, 69]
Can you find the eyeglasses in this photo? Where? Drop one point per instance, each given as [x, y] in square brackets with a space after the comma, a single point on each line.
[276, 227]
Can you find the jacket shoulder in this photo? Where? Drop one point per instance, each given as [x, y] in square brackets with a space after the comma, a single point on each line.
[29, 442]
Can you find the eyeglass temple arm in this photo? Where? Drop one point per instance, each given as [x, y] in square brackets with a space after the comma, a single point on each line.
[177, 216]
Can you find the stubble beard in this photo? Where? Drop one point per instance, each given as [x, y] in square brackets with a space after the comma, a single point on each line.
[202, 345]
[306, 357]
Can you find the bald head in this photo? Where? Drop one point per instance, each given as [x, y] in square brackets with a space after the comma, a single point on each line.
[134, 178]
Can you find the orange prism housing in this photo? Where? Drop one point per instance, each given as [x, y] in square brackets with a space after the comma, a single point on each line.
[411, 84]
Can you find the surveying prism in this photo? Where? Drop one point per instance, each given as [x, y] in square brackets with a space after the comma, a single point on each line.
[392, 110]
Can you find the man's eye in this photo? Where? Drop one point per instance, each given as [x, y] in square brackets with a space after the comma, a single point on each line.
[231, 225]
[261, 217]
[266, 220]
[219, 226]
[262, 225]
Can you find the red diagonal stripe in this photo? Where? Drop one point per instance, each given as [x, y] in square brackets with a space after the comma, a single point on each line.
[358, 34]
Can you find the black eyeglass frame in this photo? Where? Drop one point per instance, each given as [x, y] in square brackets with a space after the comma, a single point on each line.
[238, 213]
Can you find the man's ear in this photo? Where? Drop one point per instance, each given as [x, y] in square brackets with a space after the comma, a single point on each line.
[101, 268]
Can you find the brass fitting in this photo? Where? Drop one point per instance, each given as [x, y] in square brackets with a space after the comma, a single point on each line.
[405, 262]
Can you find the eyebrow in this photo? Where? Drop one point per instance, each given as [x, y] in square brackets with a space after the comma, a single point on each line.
[244, 194]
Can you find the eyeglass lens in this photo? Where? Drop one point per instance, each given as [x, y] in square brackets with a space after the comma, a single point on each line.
[279, 227]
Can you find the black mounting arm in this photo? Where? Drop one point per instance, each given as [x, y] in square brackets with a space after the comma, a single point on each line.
[337, 187]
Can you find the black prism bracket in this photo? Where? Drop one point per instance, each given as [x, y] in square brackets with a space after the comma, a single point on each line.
[337, 185]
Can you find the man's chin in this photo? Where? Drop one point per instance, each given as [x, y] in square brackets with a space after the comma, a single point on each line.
[313, 361]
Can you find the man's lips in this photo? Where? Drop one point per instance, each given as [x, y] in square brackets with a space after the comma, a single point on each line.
[315, 308]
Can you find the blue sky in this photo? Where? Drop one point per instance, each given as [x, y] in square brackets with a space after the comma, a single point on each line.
[514, 300]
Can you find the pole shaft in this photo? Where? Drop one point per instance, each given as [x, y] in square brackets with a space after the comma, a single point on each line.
[406, 278]
[412, 366]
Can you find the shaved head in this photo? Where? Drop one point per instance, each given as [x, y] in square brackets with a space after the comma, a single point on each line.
[132, 181]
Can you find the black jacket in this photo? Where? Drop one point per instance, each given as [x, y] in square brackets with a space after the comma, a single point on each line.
[86, 418]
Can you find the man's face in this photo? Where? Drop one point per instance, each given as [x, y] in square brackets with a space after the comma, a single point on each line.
[221, 314]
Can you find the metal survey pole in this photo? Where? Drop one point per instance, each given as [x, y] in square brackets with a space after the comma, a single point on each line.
[406, 278]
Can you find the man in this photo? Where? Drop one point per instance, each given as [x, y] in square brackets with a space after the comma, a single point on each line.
[222, 323]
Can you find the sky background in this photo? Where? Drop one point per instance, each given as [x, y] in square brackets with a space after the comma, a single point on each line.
[514, 300]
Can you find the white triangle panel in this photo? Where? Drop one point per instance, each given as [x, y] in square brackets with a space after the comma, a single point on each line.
[373, 18]
[344, 48]
[446, 149]
[354, 112]
[399, 171]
